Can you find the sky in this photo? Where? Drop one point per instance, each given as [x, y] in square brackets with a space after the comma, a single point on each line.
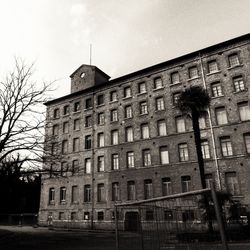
[126, 35]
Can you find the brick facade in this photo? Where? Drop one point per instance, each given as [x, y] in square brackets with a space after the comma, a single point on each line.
[229, 142]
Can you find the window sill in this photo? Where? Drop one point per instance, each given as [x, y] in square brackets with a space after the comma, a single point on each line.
[236, 66]
[63, 203]
[100, 105]
[65, 115]
[215, 97]
[128, 118]
[52, 203]
[161, 88]
[126, 98]
[241, 91]
[111, 102]
[76, 112]
[174, 84]
[160, 110]
[141, 94]
[214, 72]
[114, 121]
[90, 108]
[143, 114]
[194, 78]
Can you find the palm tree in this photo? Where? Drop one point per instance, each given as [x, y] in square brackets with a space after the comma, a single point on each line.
[194, 101]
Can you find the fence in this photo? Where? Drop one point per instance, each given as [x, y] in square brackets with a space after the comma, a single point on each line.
[18, 219]
[183, 221]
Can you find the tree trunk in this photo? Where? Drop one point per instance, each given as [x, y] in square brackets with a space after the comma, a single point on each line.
[197, 138]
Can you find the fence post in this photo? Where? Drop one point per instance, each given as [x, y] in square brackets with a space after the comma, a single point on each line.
[116, 230]
[219, 218]
[141, 229]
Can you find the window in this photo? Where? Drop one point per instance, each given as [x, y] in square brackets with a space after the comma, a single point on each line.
[114, 115]
[193, 72]
[148, 189]
[100, 215]
[65, 147]
[62, 194]
[180, 124]
[56, 113]
[143, 108]
[61, 216]
[142, 88]
[113, 96]
[66, 110]
[127, 92]
[100, 138]
[162, 129]
[100, 164]
[77, 124]
[73, 216]
[233, 60]
[183, 152]
[55, 129]
[75, 166]
[164, 155]
[188, 215]
[202, 121]
[149, 215]
[128, 112]
[221, 115]
[212, 66]
[64, 168]
[75, 194]
[158, 83]
[226, 146]
[87, 193]
[209, 180]
[238, 83]
[186, 183]
[101, 119]
[88, 121]
[86, 216]
[232, 183]
[88, 142]
[51, 195]
[115, 161]
[146, 157]
[87, 165]
[100, 192]
[100, 100]
[129, 134]
[176, 97]
[114, 137]
[144, 131]
[247, 142]
[76, 106]
[130, 160]
[88, 103]
[76, 144]
[205, 149]
[244, 111]
[159, 103]
[53, 148]
[65, 127]
[216, 89]
[175, 78]
[168, 215]
[131, 190]
[166, 186]
[115, 191]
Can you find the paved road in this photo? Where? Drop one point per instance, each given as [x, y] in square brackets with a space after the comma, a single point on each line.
[27, 238]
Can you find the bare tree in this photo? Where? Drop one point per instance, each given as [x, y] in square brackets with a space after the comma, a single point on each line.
[22, 115]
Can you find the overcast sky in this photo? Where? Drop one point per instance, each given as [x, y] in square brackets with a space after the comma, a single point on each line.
[126, 35]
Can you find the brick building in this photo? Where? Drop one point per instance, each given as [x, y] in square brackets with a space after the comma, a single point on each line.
[124, 139]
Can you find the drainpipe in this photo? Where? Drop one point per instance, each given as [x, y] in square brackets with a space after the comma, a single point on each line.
[211, 127]
[92, 164]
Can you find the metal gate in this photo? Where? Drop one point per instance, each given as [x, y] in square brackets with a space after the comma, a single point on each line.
[178, 222]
